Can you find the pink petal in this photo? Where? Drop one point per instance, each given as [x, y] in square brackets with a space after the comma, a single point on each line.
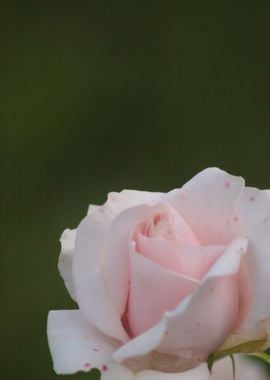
[103, 301]
[153, 291]
[169, 224]
[116, 263]
[91, 291]
[161, 251]
[75, 345]
[207, 203]
[201, 322]
[253, 209]
[209, 319]
[186, 260]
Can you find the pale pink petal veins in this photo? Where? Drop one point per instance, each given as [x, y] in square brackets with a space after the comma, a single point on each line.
[75, 345]
[65, 261]
[153, 290]
[196, 327]
[207, 203]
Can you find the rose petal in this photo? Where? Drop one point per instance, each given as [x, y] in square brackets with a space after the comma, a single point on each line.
[120, 373]
[75, 345]
[186, 260]
[196, 327]
[197, 261]
[153, 290]
[118, 202]
[103, 301]
[161, 251]
[207, 202]
[202, 326]
[116, 264]
[202, 318]
[91, 291]
[169, 224]
[65, 262]
[253, 210]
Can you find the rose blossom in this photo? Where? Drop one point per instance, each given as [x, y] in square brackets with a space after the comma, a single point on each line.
[164, 280]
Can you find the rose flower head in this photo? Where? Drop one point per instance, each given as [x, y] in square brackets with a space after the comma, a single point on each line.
[165, 280]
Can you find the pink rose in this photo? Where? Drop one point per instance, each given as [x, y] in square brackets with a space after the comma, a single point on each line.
[164, 280]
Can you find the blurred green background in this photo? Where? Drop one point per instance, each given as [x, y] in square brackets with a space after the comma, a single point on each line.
[101, 95]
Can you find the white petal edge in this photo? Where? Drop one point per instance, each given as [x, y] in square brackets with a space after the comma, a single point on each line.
[253, 210]
[90, 286]
[75, 345]
[65, 261]
[212, 193]
[123, 200]
[92, 208]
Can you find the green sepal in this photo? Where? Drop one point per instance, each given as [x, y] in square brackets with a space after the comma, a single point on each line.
[262, 356]
[251, 347]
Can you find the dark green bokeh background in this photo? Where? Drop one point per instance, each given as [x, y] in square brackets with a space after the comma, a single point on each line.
[102, 95]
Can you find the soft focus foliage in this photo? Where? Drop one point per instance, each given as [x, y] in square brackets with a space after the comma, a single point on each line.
[98, 96]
